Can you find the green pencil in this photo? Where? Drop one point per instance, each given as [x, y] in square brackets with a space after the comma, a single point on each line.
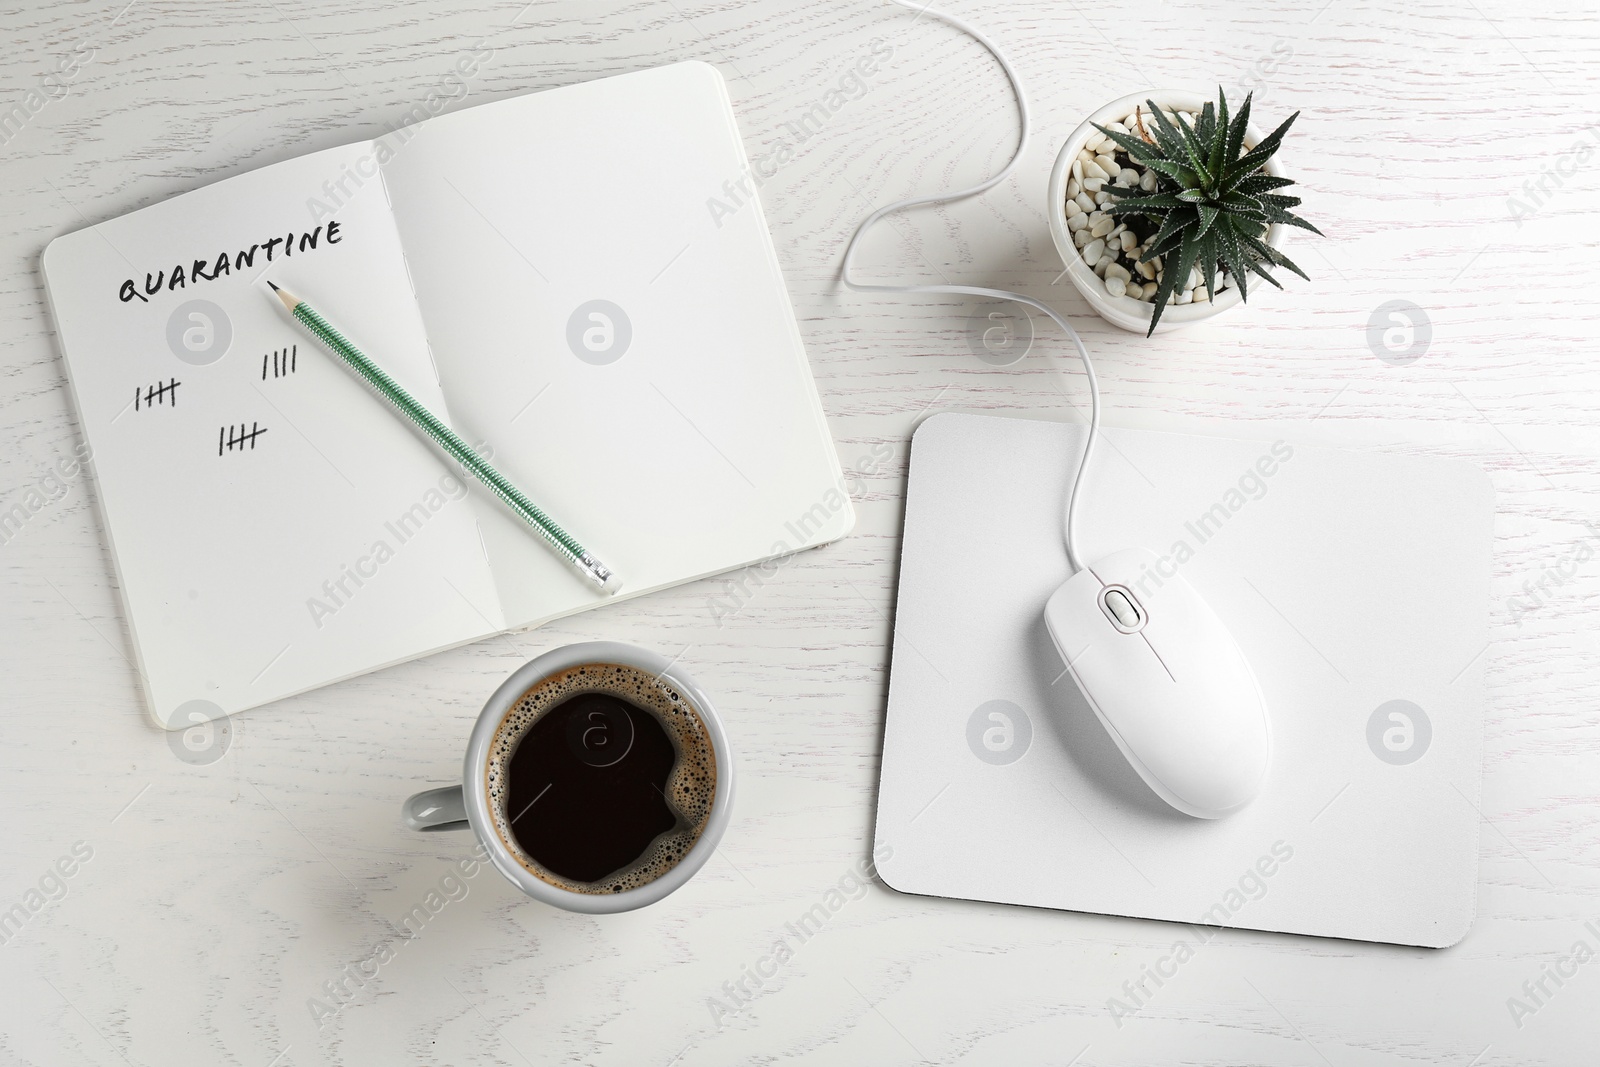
[565, 545]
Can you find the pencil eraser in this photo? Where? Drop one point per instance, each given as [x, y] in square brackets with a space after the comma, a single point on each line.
[612, 586]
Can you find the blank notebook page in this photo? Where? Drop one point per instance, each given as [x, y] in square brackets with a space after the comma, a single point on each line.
[683, 425]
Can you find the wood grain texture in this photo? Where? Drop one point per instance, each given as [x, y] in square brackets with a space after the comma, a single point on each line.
[220, 898]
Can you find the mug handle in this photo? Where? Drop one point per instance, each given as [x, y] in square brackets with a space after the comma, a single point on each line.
[436, 809]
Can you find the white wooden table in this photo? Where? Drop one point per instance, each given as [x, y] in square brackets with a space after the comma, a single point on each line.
[217, 900]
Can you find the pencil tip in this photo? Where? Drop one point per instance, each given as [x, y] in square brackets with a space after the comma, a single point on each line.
[286, 298]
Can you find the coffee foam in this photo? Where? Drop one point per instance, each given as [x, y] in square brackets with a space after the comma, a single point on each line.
[691, 786]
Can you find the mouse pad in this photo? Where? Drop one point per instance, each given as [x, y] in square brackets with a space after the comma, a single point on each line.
[1357, 585]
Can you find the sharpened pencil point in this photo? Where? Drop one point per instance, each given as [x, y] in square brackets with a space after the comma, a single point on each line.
[288, 299]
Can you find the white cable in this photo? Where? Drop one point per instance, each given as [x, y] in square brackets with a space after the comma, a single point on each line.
[1070, 522]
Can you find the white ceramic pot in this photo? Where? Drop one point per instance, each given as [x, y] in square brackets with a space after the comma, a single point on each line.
[1125, 311]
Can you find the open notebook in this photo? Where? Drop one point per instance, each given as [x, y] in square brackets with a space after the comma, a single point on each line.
[562, 276]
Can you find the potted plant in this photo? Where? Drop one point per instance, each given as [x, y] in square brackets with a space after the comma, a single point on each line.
[1162, 205]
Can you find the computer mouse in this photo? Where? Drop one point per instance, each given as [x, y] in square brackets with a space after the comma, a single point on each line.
[1166, 679]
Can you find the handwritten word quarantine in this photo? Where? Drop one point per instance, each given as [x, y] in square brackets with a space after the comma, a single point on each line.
[226, 263]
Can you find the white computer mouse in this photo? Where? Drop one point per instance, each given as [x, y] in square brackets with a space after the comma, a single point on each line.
[1166, 679]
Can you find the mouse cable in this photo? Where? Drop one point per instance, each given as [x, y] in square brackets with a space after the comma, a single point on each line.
[1070, 521]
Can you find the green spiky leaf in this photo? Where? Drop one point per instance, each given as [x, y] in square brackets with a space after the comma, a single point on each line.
[1208, 261]
[1136, 147]
[1256, 184]
[1277, 258]
[1168, 139]
[1253, 159]
[1228, 244]
[1286, 218]
[1241, 206]
[1198, 155]
[1236, 132]
[1146, 205]
[1256, 266]
[1179, 173]
[1238, 274]
[1219, 133]
[1175, 274]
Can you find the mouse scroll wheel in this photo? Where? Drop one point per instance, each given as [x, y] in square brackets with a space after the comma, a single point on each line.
[1122, 608]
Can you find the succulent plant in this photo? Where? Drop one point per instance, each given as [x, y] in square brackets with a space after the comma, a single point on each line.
[1212, 204]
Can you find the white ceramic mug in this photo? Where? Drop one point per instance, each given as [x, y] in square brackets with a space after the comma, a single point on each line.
[466, 805]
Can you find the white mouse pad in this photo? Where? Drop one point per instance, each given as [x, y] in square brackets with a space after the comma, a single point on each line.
[1357, 585]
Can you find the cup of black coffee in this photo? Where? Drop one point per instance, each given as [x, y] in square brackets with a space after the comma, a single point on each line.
[598, 778]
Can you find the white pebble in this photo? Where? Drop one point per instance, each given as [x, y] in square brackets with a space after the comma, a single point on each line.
[1080, 220]
[1129, 241]
[1115, 286]
[1100, 267]
[1093, 251]
[1077, 168]
[1080, 236]
[1150, 290]
[1102, 197]
[1147, 270]
[1148, 182]
[1200, 294]
[1185, 297]
[1084, 202]
[1103, 227]
[1073, 188]
[1072, 207]
[1108, 164]
[1128, 176]
[1094, 170]
[1195, 278]
[1117, 270]
[1093, 185]
[1094, 142]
